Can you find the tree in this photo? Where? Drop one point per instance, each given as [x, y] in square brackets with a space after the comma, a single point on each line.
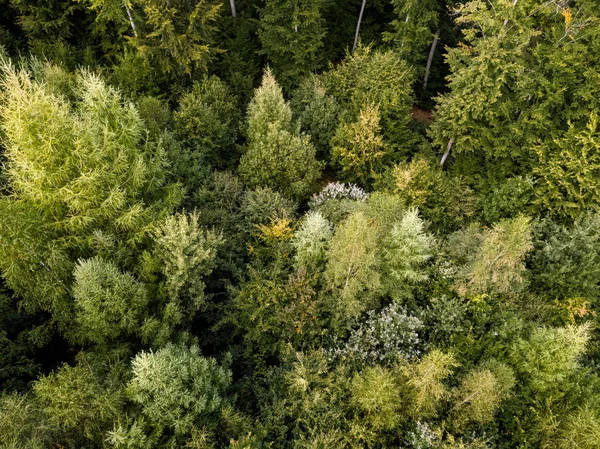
[582, 430]
[549, 356]
[317, 112]
[480, 393]
[425, 380]
[81, 401]
[516, 85]
[414, 28]
[109, 305]
[176, 36]
[351, 273]
[82, 180]
[176, 389]
[375, 394]
[567, 170]
[292, 33]
[277, 156]
[311, 240]
[498, 265]
[206, 124]
[380, 79]
[406, 249]
[442, 199]
[358, 148]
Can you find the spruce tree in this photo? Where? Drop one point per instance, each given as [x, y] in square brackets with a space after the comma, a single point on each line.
[292, 32]
[277, 155]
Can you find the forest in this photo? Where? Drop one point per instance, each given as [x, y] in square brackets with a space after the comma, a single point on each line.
[299, 224]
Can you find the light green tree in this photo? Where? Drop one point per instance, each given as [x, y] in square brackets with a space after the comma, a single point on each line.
[498, 265]
[109, 305]
[567, 171]
[480, 393]
[383, 80]
[405, 250]
[581, 430]
[352, 273]
[377, 398]
[311, 240]
[277, 155]
[176, 390]
[425, 381]
[549, 356]
[81, 179]
[358, 147]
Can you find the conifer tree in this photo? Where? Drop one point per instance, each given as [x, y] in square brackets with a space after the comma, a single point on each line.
[351, 272]
[277, 155]
[406, 249]
[358, 148]
[82, 180]
[176, 390]
[518, 84]
[292, 32]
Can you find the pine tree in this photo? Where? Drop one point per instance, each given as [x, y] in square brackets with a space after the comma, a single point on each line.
[358, 148]
[176, 389]
[518, 84]
[109, 305]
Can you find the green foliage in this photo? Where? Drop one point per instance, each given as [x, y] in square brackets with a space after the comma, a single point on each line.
[358, 148]
[186, 254]
[277, 156]
[444, 200]
[568, 169]
[176, 37]
[272, 314]
[176, 388]
[81, 178]
[22, 423]
[383, 80]
[206, 124]
[79, 400]
[260, 206]
[109, 305]
[406, 249]
[517, 98]
[509, 199]
[498, 264]
[351, 273]
[414, 28]
[564, 263]
[480, 393]
[376, 395]
[311, 239]
[582, 430]
[386, 337]
[291, 33]
[549, 356]
[317, 112]
[425, 380]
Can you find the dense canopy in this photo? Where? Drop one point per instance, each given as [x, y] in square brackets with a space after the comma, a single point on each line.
[306, 224]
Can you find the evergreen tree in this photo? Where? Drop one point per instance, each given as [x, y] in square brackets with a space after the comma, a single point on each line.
[517, 85]
[292, 32]
[277, 156]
